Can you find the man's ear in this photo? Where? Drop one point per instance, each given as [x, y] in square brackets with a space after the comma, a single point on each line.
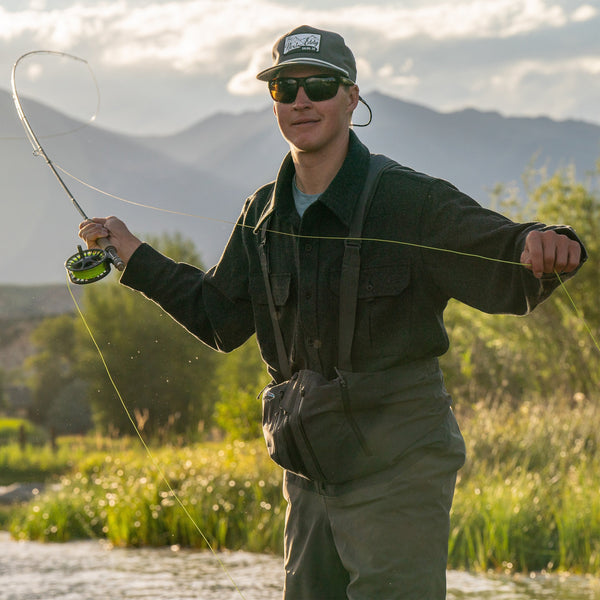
[353, 98]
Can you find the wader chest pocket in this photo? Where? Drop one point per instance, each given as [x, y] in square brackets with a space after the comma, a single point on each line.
[310, 430]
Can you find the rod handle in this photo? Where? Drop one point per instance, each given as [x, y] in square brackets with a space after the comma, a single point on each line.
[111, 252]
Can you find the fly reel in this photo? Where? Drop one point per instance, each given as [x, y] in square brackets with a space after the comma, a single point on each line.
[88, 266]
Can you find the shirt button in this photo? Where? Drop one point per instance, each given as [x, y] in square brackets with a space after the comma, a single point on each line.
[308, 248]
[308, 294]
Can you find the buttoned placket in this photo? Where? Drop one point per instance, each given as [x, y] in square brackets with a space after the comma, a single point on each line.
[306, 250]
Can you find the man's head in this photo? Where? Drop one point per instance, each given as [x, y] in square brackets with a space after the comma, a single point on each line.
[307, 46]
[312, 83]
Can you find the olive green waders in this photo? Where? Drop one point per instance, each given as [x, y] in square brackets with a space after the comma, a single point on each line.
[382, 538]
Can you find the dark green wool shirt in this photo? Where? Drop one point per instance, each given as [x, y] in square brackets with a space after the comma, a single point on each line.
[404, 286]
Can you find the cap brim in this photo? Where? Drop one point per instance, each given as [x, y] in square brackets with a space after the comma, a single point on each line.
[268, 74]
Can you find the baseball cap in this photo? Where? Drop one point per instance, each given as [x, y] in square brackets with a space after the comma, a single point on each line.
[309, 46]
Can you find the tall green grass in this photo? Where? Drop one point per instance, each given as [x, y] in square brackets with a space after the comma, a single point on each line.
[529, 496]
[230, 491]
[527, 499]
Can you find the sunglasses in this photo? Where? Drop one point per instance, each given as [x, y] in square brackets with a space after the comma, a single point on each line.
[317, 87]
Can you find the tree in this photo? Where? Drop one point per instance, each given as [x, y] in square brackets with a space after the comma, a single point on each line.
[164, 375]
[52, 367]
[241, 376]
[69, 411]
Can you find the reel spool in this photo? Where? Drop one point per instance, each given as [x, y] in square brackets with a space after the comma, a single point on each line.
[88, 266]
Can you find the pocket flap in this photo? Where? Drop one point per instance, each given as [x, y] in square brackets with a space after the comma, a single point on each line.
[280, 288]
[374, 281]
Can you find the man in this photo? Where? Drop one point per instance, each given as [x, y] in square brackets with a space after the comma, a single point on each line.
[371, 522]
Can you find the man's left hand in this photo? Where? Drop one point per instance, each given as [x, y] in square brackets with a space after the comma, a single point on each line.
[547, 251]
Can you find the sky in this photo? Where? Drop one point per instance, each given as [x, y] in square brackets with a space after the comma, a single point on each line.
[163, 65]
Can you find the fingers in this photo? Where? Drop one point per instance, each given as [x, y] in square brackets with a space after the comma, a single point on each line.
[91, 230]
[114, 231]
[548, 251]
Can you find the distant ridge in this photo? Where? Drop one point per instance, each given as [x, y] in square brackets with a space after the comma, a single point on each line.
[22, 308]
[26, 301]
[210, 168]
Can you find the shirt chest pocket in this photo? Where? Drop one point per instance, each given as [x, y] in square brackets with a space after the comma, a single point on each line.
[384, 306]
[377, 281]
[280, 288]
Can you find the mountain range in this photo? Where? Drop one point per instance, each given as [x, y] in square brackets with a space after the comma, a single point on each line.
[205, 172]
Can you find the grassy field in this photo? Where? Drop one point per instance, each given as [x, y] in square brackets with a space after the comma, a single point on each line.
[527, 499]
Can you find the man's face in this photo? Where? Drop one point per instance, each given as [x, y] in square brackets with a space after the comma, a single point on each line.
[313, 126]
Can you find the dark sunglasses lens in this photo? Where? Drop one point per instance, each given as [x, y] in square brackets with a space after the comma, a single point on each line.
[283, 90]
[321, 88]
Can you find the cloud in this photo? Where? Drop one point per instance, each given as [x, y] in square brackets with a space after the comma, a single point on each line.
[191, 35]
[584, 13]
[244, 83]
[64, 28]
[455, 20]
[429, 51]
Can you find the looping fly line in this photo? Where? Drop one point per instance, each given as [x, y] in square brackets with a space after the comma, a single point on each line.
[21, 114]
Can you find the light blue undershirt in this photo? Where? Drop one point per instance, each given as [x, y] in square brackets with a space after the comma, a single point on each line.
[302, 200]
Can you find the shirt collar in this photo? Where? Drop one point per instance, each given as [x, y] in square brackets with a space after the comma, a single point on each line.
[341, 195]
[343, 192]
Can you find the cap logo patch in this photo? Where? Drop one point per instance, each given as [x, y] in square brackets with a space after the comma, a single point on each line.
[302, 42]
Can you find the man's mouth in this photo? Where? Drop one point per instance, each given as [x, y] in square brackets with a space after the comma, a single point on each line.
[305, 121]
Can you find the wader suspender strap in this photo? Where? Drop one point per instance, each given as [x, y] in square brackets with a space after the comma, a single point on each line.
[282, 357]
[349, 276]
[351, 263]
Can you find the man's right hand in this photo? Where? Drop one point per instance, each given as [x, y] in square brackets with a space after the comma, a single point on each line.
[114, 230]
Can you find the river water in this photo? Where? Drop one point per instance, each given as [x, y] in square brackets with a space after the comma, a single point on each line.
[91, 570]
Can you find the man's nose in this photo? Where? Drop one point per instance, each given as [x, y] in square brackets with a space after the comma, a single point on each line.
[301, 98]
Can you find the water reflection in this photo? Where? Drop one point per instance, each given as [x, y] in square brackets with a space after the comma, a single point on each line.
[556, 587]
[93, 571]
